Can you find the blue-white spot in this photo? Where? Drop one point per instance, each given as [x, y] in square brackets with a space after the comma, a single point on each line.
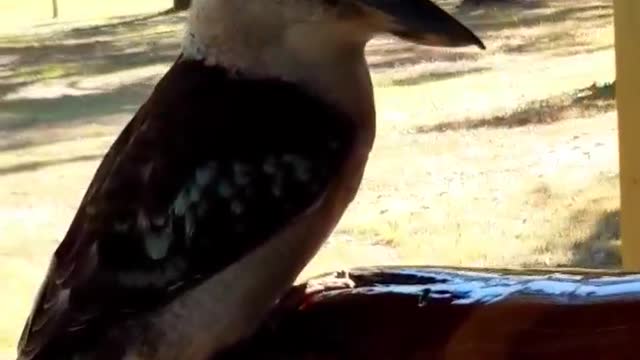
[269, 165]
[241, 174]
[157, 244]
[237, 207]
[225, 189]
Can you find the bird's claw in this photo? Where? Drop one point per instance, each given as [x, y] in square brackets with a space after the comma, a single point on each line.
[298, 295]
[336, 281]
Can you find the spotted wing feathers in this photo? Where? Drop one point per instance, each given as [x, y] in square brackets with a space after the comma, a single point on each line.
[208, 169]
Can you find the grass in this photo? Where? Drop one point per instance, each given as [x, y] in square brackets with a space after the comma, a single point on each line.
[36, 14]
[506, 157]
[590, 101]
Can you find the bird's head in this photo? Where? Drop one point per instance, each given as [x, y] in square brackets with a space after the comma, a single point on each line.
[318, 42]
[316, 26]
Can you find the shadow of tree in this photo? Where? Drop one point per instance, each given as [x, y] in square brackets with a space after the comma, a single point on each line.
[547, 28]
[36, 165]
[600, 249]
[68, 77]
[510, 17]
[25, 113]
[585, 102]
[71, 56]
[6, 89]
[391, 53]
[417, 77]
[131, 42]
[547, 25]
[92, 50]
[21, 118]
[127, 20]
[472, 5]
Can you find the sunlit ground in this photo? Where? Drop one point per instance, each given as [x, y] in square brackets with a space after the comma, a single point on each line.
[506, 157]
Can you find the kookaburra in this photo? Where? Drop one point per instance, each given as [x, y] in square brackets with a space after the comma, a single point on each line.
[226, 181]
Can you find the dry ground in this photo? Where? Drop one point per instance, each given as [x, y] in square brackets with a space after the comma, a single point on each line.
[506, 157]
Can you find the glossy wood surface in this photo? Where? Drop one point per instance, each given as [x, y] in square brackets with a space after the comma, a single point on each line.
[429, 313]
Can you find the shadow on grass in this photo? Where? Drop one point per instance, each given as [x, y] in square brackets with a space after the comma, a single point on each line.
[585, 102]
[44, 77]
[58, 60]
[548, 28]
[21, 119]
[129, 42]
[19, 141]
[410, 64]
[31, 112]
[127, 20]
[37, 165]
[542, 22]
[417, 77]
[394, 53]
[6, 89]
[88, 51]
[473, 5]
[534, 14]
[600, 249]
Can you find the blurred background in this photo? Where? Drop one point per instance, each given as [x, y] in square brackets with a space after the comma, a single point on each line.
[504, 157]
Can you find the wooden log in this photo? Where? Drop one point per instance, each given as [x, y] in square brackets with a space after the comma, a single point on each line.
[420, 313]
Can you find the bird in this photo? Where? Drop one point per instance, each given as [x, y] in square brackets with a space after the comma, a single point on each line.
[225, 182]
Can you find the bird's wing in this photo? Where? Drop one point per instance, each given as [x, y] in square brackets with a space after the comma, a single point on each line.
[209, 167]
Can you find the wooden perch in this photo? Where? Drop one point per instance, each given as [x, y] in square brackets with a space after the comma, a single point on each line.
[397, 313]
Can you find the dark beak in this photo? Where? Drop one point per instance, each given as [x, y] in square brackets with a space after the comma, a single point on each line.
[425, 23]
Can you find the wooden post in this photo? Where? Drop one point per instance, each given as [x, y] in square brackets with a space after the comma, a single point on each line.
[627, 28]
[54, 3]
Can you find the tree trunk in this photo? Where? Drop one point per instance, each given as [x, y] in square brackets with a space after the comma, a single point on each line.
[55, 8]
[181, 4]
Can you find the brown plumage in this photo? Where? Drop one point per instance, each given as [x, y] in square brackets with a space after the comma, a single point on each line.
[221, 188]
